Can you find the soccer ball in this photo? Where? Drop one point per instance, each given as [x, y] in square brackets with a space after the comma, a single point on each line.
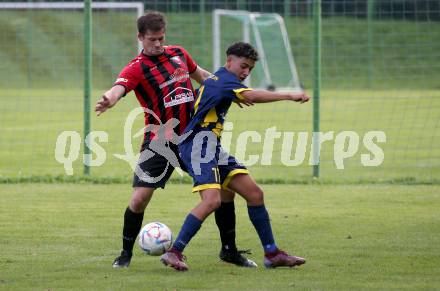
[155, 238]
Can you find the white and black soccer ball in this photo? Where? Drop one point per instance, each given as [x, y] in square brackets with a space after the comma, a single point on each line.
[155, 238]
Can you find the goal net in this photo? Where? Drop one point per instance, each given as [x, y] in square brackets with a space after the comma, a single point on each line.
[267, 32]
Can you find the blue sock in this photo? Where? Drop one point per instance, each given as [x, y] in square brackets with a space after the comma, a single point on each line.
[189, 229]
[260, 220]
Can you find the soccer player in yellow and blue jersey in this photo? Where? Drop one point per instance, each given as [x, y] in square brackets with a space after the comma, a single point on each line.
[212, 169]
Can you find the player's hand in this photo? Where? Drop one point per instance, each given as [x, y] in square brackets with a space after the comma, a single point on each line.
[300, 97]
[102, 105]
[241, 102]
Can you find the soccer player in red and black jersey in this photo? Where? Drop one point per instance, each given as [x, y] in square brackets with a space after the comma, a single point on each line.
[160, 77]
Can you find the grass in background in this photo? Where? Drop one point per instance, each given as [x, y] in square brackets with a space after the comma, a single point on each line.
[354, 237]
[31, 125]
[42, 53]
[43, 95]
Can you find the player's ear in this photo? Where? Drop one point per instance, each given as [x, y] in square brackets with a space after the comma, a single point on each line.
[140, 36]
[229, 60]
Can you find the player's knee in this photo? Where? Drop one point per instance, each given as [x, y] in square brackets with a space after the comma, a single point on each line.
[212, 203]
[256, 196]
[137, 204]
[140, 199]
[227, 196]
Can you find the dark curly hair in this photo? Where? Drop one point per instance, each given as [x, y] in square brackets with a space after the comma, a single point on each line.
[242, 49]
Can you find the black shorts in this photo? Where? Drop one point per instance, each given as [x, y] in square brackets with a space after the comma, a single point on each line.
[154, 169]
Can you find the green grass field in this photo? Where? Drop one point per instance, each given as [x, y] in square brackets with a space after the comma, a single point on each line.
[355, 237]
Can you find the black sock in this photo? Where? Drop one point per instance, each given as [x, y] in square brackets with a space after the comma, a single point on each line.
[225, 220]
[132, 226]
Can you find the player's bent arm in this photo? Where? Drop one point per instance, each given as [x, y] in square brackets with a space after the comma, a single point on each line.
[264, 96]
[200, 75]
[109, 99]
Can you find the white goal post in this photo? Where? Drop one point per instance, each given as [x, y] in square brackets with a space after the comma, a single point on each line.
[138, 6]
[252, 23]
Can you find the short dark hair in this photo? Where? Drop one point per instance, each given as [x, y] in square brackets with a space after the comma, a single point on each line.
[151, 20]
[242, 49]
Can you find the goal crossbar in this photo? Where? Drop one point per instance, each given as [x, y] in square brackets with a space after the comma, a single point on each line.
[138, 6]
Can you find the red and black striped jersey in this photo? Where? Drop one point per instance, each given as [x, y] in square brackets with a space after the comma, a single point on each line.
[162, 85]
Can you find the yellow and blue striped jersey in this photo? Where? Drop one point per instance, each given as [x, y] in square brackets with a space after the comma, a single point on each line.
[213, 100]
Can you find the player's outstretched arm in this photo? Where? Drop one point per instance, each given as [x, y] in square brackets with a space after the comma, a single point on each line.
[109, 99]
[200, 75]
[264, 96]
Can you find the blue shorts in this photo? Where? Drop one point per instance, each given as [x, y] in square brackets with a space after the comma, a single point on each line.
[207, 163]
